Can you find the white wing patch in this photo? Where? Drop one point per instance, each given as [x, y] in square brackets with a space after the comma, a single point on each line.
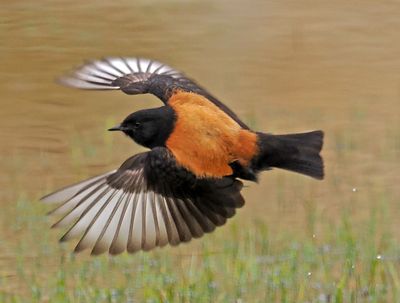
[132, 217]
[100, 74]
[69, 191]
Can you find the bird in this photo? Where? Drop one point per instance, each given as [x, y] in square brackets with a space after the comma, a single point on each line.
[189, 181]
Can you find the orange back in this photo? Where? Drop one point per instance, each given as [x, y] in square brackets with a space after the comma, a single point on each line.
[205, 139]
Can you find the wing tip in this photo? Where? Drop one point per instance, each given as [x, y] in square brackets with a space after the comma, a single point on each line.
[91, 74]
[64, 238]
[47, 199]
[51, 198]
[114, 251]
[70, 80]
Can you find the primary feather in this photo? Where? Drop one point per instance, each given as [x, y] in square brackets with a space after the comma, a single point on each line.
[127, 210]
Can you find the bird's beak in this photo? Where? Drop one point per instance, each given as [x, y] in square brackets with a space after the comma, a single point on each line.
[116, 128]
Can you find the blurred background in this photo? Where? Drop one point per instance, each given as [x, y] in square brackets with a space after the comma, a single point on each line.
[282, 66]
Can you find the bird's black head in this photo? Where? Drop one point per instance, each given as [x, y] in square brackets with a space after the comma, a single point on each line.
[149, 127]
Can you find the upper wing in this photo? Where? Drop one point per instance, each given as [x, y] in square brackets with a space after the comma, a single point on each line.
[146, 203]
[138, 76]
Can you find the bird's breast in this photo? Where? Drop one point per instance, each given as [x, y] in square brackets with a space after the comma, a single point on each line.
[205, 139]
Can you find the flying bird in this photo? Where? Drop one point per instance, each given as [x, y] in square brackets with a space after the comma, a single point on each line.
[188, 183]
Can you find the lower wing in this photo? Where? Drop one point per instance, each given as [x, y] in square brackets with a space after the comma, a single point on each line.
[130, 209]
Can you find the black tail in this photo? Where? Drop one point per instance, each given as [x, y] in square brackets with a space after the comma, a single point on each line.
[295, 152]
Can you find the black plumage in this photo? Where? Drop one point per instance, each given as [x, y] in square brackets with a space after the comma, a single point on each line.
[163, 204]
[154, 199]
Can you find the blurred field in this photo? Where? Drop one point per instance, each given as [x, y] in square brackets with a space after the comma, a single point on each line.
[283, 66]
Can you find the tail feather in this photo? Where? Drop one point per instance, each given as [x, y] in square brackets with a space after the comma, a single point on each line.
[294, 152]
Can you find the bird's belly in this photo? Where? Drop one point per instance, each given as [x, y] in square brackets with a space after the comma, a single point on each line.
[205, 139]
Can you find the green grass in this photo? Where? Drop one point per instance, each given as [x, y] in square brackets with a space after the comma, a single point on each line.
[244, 262]
[342, 246]
[282, 67]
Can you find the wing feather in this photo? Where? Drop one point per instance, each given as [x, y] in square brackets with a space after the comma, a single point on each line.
[123, 210]
[86, 215]
[205, 223]
[65, 193]
[181, 226]
[138, 76]
[150, 226]
[120, 240]
[191, 221]
[162, 220]
[100, 221]
[79, 204]
[172, 231]
[106, 237]
[136, 232]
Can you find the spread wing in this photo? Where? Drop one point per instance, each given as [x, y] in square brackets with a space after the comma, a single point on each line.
[148, 202]
[138, 76]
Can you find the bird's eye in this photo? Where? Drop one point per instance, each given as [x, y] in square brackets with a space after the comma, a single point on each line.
[137, 124]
